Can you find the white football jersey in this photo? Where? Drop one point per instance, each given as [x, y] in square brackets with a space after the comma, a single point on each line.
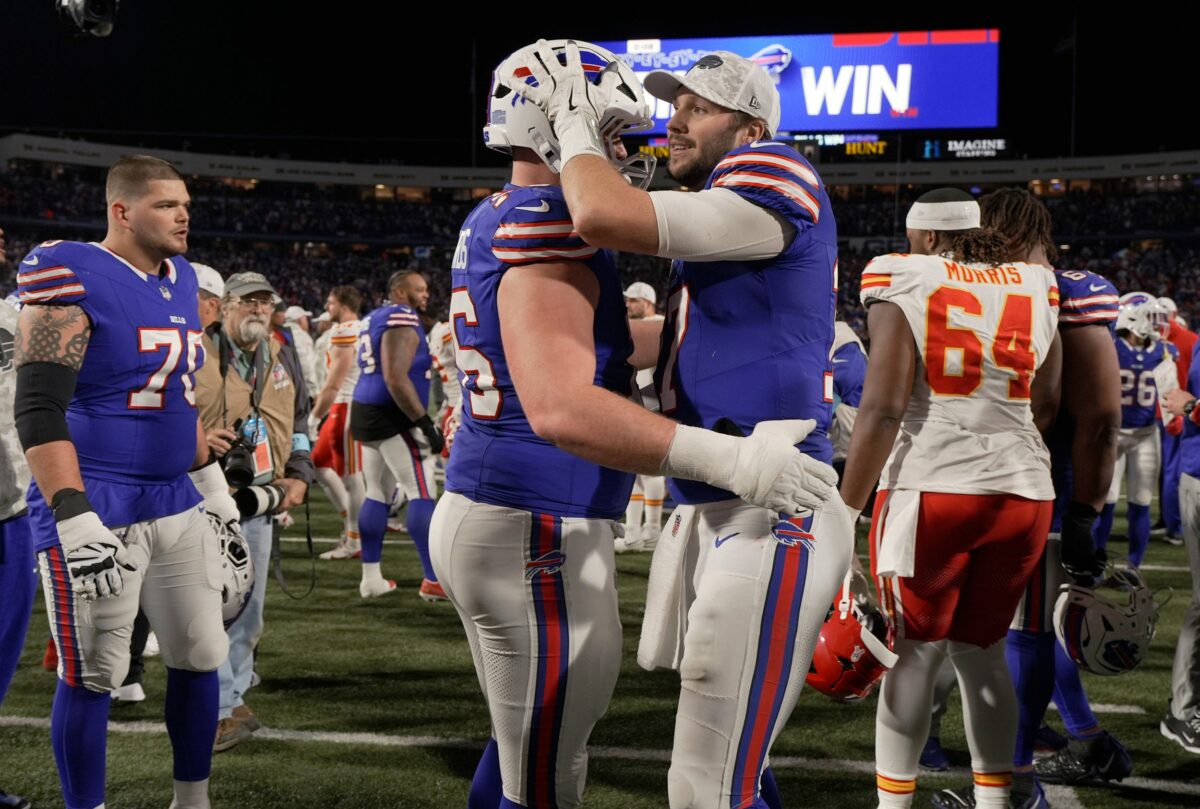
[981, 333]
[441, 348]
[645, 377]
[341, 335]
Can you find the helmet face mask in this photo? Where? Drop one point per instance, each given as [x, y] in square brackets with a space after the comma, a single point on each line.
[237, 571]
[515, 121]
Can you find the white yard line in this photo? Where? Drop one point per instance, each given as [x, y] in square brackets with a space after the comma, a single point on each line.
[1059, 796]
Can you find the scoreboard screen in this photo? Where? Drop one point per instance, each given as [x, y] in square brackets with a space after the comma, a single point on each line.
[851, 82]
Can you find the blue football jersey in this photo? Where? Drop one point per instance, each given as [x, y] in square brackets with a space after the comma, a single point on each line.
[370, 388]
[497, 457]
[133, 415]
[1139, 392]
[750, 340]
[1085, 299]
[849, 374]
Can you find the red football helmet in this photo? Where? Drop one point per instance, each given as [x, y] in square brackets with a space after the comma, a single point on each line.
[854, 650]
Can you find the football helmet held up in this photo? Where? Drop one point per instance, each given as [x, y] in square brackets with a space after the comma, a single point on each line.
[516, 121]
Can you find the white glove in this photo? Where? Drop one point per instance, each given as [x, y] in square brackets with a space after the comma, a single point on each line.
[95, 556]
[570, 100]
[765, 469]
[210, 481]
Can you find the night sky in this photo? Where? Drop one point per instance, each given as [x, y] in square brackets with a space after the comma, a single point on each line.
[364, 82]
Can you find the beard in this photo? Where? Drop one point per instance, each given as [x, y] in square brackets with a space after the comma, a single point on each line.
[702, 160]
[251, 330]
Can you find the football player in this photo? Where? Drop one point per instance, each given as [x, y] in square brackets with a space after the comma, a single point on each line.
[18, 581]
[1083, 447]
[106, 351]
[337, 456]
[400, 442]
[964, 370]
[1184, 340]
[643, 515]
[523, 538]
[449, 416]
[1140, 324]
[748, 331]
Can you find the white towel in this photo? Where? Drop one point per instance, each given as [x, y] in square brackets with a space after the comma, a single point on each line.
[665, 620]
[896, 544]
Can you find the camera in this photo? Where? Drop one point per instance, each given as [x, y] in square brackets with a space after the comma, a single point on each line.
[95, 17]
[255, 501]
[238, 463]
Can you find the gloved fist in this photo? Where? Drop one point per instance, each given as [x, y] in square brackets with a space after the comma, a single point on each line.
[432, 434]
[1080, 557]
[210, 481]
[573, 104]
[95, 556]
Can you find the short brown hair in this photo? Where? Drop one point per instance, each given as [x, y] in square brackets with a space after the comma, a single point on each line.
[347, 296]
[128, 177]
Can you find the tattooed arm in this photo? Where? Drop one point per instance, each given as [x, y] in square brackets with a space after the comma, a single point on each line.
[48, 350]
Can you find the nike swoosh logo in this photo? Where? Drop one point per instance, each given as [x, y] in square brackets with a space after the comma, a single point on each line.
[722, 540]
[841, 360]
[1097, 288]
[544, 207]
[30, 260]
[758, 144]
[571, 101]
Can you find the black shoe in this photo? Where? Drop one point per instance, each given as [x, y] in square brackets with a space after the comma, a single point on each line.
[1172, 538]
[1184, 732]
[1101, 758]
[8, 801]
[961, 798]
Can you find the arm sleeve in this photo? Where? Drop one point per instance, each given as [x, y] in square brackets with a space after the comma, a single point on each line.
[718, 225]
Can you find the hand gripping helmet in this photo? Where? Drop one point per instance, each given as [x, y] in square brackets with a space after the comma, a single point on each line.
[1143, 316]
[1105, 635]
[237, 570]
[513, 120]
[852, 654]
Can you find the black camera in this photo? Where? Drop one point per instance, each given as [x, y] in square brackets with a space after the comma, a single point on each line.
[238, 462]
[255, 501]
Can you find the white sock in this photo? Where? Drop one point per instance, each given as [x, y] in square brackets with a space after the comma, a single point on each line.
[355, 491]
[989, 718]
[633, 513]
[191, 795]
[655, 489]
[902, 716]
[372, 572]
[332, 484]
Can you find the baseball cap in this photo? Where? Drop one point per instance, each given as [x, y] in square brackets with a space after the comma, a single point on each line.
[642, 290]
[247, 283]
[723, 78]
[294, 313]
[210, 280]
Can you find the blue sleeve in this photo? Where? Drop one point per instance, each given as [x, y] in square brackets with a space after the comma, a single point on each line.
[1085, 297]
[849, 371]
[534, 227]
[776, 177]
[46, 276]
[401, 315]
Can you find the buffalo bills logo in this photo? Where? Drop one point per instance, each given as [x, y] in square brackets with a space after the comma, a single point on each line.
[547, 564]
[708, 62]
[793, 532]
[774, 59]
[1121, 655]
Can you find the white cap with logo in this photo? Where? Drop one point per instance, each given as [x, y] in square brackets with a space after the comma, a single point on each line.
[642, 291]
[723, 78]
[294, 313]
[210, 280]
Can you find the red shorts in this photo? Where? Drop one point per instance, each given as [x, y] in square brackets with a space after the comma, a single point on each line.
[974, 555]
[336, 449]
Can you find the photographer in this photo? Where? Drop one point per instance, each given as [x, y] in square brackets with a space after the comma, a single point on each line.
[254, 408]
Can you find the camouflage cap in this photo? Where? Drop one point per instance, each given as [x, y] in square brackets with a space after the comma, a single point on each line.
[723, 78]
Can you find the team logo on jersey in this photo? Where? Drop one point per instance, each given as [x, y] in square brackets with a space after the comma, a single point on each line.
[547, 564]
[166, 293]
[794, 532]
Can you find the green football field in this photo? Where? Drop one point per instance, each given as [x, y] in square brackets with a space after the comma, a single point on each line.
[376, 704]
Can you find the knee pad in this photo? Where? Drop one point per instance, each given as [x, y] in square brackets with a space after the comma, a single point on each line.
[107, 675]
[204, 649]
[700, 642]
[681, 793]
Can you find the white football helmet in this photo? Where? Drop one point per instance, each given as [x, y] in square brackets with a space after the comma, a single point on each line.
[513, 120]
[1143, 316]
[237, 569]
[1102, 635]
